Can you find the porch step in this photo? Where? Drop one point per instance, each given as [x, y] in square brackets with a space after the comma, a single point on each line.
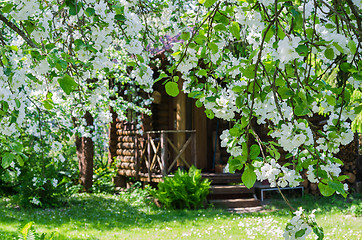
[223, 178]
[236, 203]
[246, 209]
[229, 189]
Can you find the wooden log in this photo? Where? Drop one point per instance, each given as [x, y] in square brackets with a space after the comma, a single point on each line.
[125, 126]
[125, 145]
[127, 133]
[305, 183]
[126, 159]
[126, 138]
[124, 165]
[313, 186]
[352, 177]
[127, 172]
[125, 152]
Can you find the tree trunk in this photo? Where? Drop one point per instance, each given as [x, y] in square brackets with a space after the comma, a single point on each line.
[112, 149]
[85, 154]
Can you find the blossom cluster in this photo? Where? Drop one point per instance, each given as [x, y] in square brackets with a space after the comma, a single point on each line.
[299, 226]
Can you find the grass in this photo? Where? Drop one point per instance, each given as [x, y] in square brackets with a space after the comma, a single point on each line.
[131, 216]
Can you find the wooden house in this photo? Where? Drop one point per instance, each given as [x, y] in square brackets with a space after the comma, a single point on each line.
[177, 135]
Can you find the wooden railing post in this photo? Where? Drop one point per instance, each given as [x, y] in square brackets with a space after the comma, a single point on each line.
[193, 149]
[164, 154]
[136, 158]
[149, 156]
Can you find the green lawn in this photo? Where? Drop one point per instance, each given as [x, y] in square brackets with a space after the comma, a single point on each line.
[127, 217]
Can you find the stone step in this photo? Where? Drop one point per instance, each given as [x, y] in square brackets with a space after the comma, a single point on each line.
[236, 203]
[229, 189]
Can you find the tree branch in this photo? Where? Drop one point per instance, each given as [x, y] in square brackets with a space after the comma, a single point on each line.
[358, 31]
[18, 30]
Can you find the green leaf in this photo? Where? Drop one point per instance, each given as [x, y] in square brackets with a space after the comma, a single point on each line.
[254, 151]
[120, 17]
[209, 3]
[269, 34]
[235, 30]
[236, 163]
[61, 64]
[301, 110]
[345, 67]
[302, 50]
[20, 160]
[220, 27]
[198, 103]
[249, 72]
[318, 231]
[338, 187]
[185, 36]
[300, 233]
[48, 104]
[50, 46]
[244, 122]
[67, 83]
[249, 176]
[285, 92]
[237, 89]
[7, 159]
[79, 43]
[352, 46]
[91, 12]
[298, 19]
[331, 100]
[162, 75]
[234, 132]
[325, 189]
[202, 72]
[172, 89]
[7, 8]
[338, 47]
[213, 47]
[201, 1]
[329, 53]
[343, 177]
[210, 114]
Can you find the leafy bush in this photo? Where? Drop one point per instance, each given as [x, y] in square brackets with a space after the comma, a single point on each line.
[102, 179]
[183, 190]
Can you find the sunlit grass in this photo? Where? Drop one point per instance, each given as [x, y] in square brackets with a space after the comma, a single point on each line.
[129, 216]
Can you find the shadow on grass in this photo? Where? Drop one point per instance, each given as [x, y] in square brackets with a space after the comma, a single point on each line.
[100, 212]
[335, 203]
[116, 213]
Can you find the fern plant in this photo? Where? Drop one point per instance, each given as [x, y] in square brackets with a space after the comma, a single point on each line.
[28, 233]
[183, 190]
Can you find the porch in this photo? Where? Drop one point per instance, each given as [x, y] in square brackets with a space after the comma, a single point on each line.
[155, 154]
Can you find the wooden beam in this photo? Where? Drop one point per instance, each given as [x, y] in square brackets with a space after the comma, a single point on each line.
[155, 156]
[176, 150]
[149, 157]
[180, 101]
[164, 159]
[194, 149]
[179, 155]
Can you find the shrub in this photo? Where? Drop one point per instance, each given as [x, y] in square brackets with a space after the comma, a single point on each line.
[183, 190]
[102, 179]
